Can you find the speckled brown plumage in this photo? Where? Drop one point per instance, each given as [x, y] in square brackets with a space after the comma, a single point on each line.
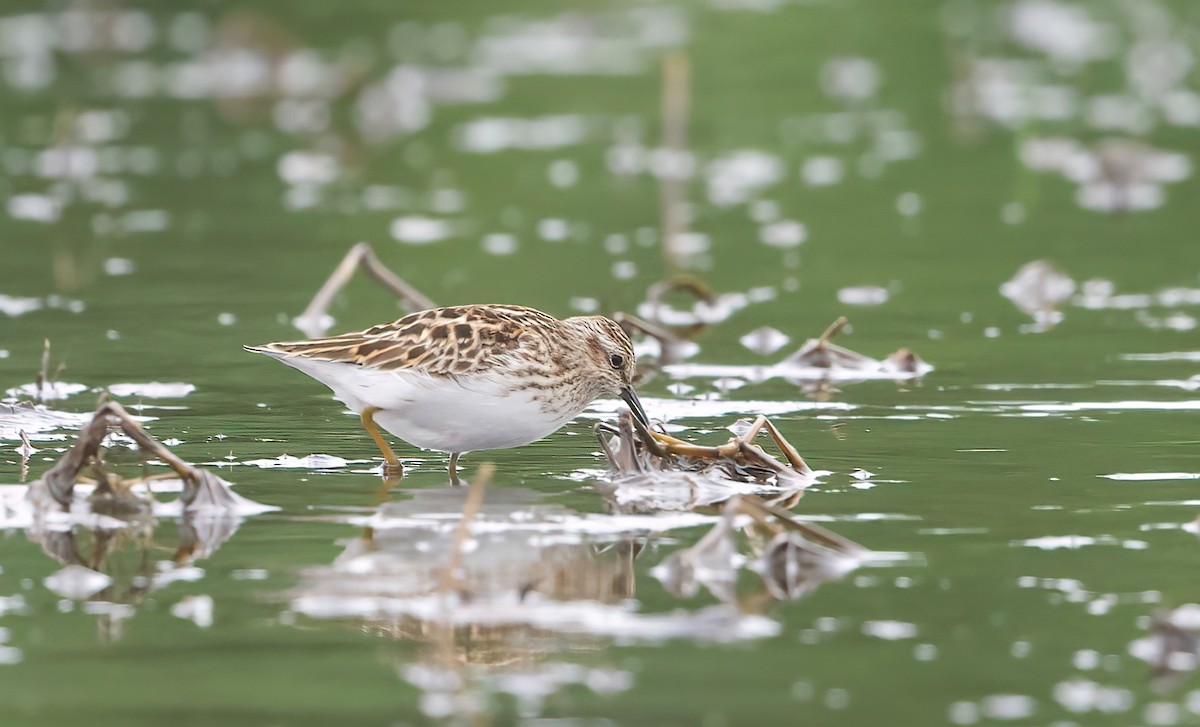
[458, 340]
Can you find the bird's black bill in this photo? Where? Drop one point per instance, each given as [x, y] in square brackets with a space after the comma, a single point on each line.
[635, 406]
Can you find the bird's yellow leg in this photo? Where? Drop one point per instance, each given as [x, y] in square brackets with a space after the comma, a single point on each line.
[390, 462]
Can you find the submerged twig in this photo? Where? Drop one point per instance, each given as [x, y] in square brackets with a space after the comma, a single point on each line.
[634, 449]
[43, 377]
[201, 490]
[312, 322]
[822, 353]
[26, 451]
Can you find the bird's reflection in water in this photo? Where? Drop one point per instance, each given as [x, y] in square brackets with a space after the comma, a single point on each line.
[527, 585]
[534, 585]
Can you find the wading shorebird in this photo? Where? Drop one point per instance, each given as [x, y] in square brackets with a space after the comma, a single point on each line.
[469, 377]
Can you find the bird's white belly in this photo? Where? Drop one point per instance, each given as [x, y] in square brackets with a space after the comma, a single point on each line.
[439, 414]
[467, 421]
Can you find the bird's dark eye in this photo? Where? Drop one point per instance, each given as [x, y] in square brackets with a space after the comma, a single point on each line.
[617, 360]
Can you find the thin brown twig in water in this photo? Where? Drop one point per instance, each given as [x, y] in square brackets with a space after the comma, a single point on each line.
[42, 377]
[470, 510]
[834, 329]
[26, 453]
[676, 100]
[61, 478]
[360, 257]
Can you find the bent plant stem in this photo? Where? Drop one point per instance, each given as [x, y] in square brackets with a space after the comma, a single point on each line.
[687, 284]
[43, 373]
[833, 329]
[789, 452]
[601, 429]
[61, 478]
[360, 257]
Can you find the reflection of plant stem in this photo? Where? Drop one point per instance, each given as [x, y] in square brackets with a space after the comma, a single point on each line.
[676, 99]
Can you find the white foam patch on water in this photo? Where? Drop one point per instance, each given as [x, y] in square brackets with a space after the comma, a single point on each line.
[77, 582]
[1165, 356]
[1192, 384]
[874, 370]
[1075, 542]
[1151, 476]
[489, 135]
[197, 609]
[670, 409]
[1135, 405]
[312, 461]
[153, 390]
[420, 230]
[14, 306]
[35, 420]
[890, 630]
[48, 391]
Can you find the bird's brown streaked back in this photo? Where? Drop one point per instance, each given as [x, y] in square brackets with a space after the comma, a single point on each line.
[442, 341]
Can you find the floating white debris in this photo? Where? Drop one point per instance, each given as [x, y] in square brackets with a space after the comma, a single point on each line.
[420, 230]
[563, 173]
[741, 175]
[1009, 706]
[863, 295]
[890, 630]
[489, 135]
[115, 266]
[1075, 542]
[14, 307]
[499, 243]
[553, 229]
[1038, 289]
[34, 207]
[672, 409]
[908, 204]
[153, 390]
[822, 171]
[1063, 31]
[197, 609]
[765, 340]
[48, 391]
[34, 421]
[77, 582]
[784, 233]
[850, 78]
[1151, 476]
[312, 462]
[313, 168]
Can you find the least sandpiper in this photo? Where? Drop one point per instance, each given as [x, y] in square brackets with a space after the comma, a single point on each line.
[469, 377]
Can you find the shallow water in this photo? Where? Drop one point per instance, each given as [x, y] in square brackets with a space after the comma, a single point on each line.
[166, 203]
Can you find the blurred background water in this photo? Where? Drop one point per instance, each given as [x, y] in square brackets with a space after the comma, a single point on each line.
[178, 181]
